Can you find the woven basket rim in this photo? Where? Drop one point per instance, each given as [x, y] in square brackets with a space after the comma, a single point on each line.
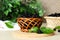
[27, 18]
[37, 17]
[49, 17]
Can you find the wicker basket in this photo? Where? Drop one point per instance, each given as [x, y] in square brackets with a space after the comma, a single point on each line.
[52, 22]
[27, 23]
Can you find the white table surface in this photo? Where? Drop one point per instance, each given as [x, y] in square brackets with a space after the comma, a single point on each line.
[8, 35]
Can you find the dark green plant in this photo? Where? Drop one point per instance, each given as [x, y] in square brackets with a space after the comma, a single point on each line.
[8, 9]
[12, 9]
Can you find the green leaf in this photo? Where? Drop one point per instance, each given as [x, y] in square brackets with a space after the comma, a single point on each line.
[41, 13]
[46, 30]
[22, 9]
[57, 27]
[33, 6]
[7, 11]
[10, 5]
[9, 24]
[17, 2]
[33, 29]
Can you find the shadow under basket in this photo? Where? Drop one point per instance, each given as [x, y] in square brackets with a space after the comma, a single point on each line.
[27, 23]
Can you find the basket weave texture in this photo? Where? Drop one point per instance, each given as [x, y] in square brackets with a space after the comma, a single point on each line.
[52, 22]
[27, 23]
